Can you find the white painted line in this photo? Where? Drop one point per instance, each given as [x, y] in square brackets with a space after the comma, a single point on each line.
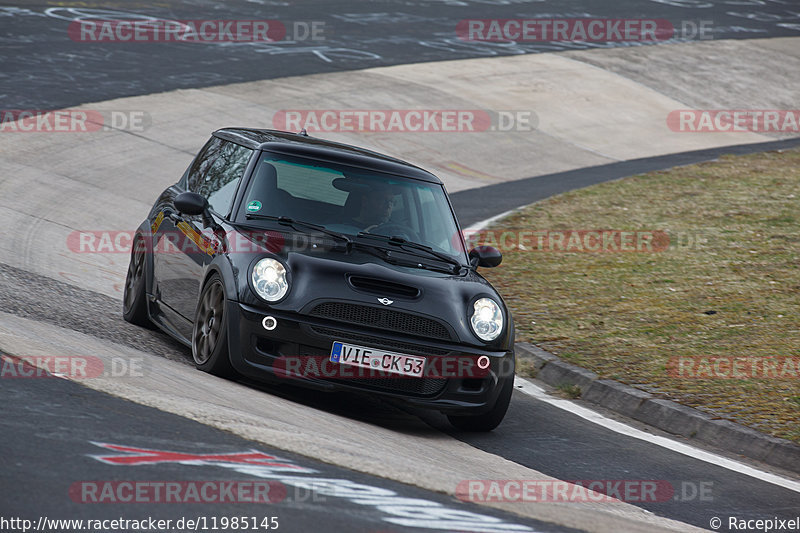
[484, 223]
[539, 393]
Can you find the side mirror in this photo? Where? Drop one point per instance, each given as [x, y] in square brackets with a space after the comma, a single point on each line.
[190, 203]
[485, 256]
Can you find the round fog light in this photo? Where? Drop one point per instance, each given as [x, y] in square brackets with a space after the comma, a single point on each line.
[269, 323]
[483, 362]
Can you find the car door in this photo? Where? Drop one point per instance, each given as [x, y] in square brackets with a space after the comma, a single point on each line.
[183, 260]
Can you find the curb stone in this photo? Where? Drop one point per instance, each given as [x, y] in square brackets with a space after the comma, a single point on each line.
[663, 414]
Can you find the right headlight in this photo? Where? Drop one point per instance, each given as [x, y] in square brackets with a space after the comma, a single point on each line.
[487, 319]
[269, 279]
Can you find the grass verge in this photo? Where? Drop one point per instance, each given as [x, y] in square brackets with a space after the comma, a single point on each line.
[721, 300]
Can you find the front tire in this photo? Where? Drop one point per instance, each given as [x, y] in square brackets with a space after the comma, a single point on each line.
[134, 299]
[490, 420]
[210, 331]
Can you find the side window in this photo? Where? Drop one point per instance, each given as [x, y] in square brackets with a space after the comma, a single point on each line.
[222, 175]
[202, 163]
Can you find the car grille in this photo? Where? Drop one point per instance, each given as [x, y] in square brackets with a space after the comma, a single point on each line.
[404, 347]
[388, 319]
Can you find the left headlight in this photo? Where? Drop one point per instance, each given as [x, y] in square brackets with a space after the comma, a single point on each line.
[269, 279]
[487, 319]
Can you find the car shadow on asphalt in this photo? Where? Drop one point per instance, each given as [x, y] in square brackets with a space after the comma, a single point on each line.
[363, 407]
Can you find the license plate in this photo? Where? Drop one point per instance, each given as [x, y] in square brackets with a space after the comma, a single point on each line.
[378, 360]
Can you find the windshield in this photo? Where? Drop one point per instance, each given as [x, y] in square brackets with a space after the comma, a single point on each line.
[350, 200]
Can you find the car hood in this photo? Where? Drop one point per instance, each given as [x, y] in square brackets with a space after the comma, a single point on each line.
[323, 275]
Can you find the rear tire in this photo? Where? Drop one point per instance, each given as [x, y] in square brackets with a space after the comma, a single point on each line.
[134, 299]
[210, 331]
[489, 420]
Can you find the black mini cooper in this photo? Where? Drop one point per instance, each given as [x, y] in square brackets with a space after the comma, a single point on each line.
[283, 257]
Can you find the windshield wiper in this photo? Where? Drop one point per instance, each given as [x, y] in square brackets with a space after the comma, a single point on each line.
[411, 246]
[296, 224]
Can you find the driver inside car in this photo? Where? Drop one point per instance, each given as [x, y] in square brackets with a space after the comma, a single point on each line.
[374, 208]
[371, 207]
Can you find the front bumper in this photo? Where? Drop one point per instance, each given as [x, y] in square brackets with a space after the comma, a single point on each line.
[267, 355]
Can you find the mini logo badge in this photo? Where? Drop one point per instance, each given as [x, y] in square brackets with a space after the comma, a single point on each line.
[385, 301]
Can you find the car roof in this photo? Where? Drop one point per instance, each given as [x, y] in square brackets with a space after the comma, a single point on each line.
[320, 149]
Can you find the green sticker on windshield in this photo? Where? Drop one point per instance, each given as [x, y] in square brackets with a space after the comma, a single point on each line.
[254, 206]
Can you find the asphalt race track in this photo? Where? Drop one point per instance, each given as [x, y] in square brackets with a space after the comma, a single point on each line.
[482, 203]
[534, 434]
[54, 430]
[44, 68]
[52, 427]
